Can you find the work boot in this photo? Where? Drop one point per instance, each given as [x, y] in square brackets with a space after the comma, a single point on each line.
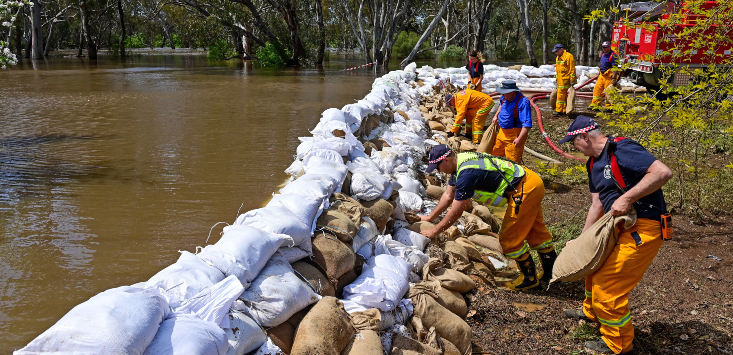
[556, 114]
[599, 346]
[469, 136]
[576, 314]
[547, 257]
[528, 277]
[592, 108]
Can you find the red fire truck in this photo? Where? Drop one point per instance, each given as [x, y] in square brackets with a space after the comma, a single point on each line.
[640, 41]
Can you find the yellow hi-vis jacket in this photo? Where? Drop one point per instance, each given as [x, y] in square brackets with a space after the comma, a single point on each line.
[565, 70]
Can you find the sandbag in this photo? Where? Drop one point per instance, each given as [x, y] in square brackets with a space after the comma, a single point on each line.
[379, 211]
[487, 241]
[345, 280]
[277, 293]
[282, 336]
[325, 330]
[366, 342]
[571, 101]
[277, 219]
[408, 237]
[382, 283]
[553, 99]
[184, 279]
[243, 334]
[409, 202]
[368, 185]
[587, 253]
[436, 126]
[418, 227]
[447, 324]
[405, 346]
[338, 224]
[316, 188]
[457, 256]
[450, 279]
[489, 139]
[468, 146]
[472, 224]
[351, 209]
[306, 208]
[188, 335]
[368, 230]
[453, 301]
[435, 192]
[122, 320]
[409, 184]
[243, 251]
[315, 277]
[471, 250]
[332, 256]
[485, 214]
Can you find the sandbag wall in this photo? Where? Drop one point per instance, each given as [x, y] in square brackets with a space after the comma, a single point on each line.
[334, 263]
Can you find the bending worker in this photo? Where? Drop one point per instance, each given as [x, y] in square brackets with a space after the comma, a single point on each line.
[496, 181]
[565, 69]
[475, 68]
[474, 107]
[605, 77]
[514, 118]
[621, 175]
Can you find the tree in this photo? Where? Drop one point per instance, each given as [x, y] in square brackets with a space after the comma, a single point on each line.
[425, 34]
[524, 16]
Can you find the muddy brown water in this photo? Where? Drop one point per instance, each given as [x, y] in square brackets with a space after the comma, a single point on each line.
[108, 169]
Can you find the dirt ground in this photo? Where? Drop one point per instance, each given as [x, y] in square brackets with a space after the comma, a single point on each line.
[683, 305]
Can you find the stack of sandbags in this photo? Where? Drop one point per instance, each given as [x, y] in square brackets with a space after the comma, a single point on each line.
[450, 326]
[325, 330]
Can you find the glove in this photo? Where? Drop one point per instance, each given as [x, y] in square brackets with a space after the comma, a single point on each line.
[451, 134]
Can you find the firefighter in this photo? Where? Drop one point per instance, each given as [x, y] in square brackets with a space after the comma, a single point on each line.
[496, 181]
[565, 68]
[475, 68]
[474, 107]
[605, 77]
[621, 175]
[514, 118]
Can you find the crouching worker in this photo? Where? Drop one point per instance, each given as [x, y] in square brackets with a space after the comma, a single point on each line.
[496, 181]
[621, 175]
[514, 118]
[472, 106]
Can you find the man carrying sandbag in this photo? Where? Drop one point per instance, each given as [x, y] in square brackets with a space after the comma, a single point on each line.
[605, 78]
[565, 69]
[474, 107]
[497, 182]
[621, 175]
[514, 118]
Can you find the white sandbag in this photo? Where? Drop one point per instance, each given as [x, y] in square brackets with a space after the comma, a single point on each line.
[186, 278]
[295, 168]
[332, 114]
[368, 185]
[381, 285]
[316, 188]
[399, 315]
[410, 68]
[339, 145]
[212, 305]
[356, 111]
[244, 334]
[306, 208]
[385, 245]
[410, 238]
[277, 293]
[325, 154]
[368, 230]
[305, 147]
[121, 320]
[268, 348]
[277, 219]
[409, 184]
[188, 335]
[243, 251]
[410, 202]
[295, 253]
[335, 169]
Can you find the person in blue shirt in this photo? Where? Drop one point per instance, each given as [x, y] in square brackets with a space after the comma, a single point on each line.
[514, 118]
[475, 68]
[605, 78]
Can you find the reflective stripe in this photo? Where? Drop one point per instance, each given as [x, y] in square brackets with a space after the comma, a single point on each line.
[597, 97]
[456, 125]
[480, 162]
[561, 102]
[543, 245]
[564, 87]
[478, 132]
[616, 323]
[484, 110]
[589, 294]
[560, 62]
[519, 253]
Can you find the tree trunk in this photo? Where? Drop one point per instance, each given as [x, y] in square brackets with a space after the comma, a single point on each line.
[446, 23]
[524, 14]
[289, 12]
[425, 34]
[606, 29]
[321, 33]
[81, 42]
[484, 26]
[545, 49]
[260, 24]
[577, 27]
[122, 26]
[36, 33]
[18, 38]
[48, 41]
[91, 46]
[247, 41]
[591, 46]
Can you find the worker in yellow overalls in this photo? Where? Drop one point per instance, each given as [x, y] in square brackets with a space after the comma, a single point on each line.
[605, 78]
[475, 69]
[565, 67]
[473, 107]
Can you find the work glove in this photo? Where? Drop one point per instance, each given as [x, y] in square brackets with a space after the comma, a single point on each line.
[451, 134]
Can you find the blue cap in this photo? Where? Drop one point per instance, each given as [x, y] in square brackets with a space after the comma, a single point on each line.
[507, 86]
[557, 47]
[448, 97]
[581, 124]
[437, 154]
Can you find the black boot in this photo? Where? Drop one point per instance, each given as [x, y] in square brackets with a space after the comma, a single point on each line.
[547, 258]
[599, 346]
[528, 279]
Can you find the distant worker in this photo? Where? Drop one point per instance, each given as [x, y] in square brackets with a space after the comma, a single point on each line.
[605, 78]
[621, 175]
[473, 107]
[475, 68]
[565, 68]
[514, 118]
[495, 181]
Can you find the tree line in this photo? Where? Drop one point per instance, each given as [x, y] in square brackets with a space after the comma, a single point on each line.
[299, 31]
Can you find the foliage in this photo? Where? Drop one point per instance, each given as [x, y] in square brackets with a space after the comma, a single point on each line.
[268, 55]
[221, 49]
[8, 15]
[568, 173]
[406, 41]
[136, 40]
[585, 332]
[453, 52]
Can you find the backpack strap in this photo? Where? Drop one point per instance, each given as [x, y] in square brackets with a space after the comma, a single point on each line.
[618, 178]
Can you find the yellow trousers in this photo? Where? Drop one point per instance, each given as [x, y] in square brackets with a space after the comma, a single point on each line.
[562, 94]
[475, 121]
[529, 224]
[607, 290]
[477, 82]
[504, 146]
[602, 83]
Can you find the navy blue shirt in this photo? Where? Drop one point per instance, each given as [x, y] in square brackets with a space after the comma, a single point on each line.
[472, 180]
[608, 61]
[633, 161]
[474, 69]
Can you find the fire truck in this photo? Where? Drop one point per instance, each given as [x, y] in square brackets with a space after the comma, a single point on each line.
[640, 41]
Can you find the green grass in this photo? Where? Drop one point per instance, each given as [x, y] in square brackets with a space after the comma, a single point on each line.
[585, 332]
[568, 229]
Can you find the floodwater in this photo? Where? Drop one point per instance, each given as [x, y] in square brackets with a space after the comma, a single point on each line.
[108, 169]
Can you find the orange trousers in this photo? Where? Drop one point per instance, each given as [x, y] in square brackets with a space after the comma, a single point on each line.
[607, 290]
[475, 121]
[477, 82]
[528, 225]
[563, 85]
[504, 146]
[599, 93]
